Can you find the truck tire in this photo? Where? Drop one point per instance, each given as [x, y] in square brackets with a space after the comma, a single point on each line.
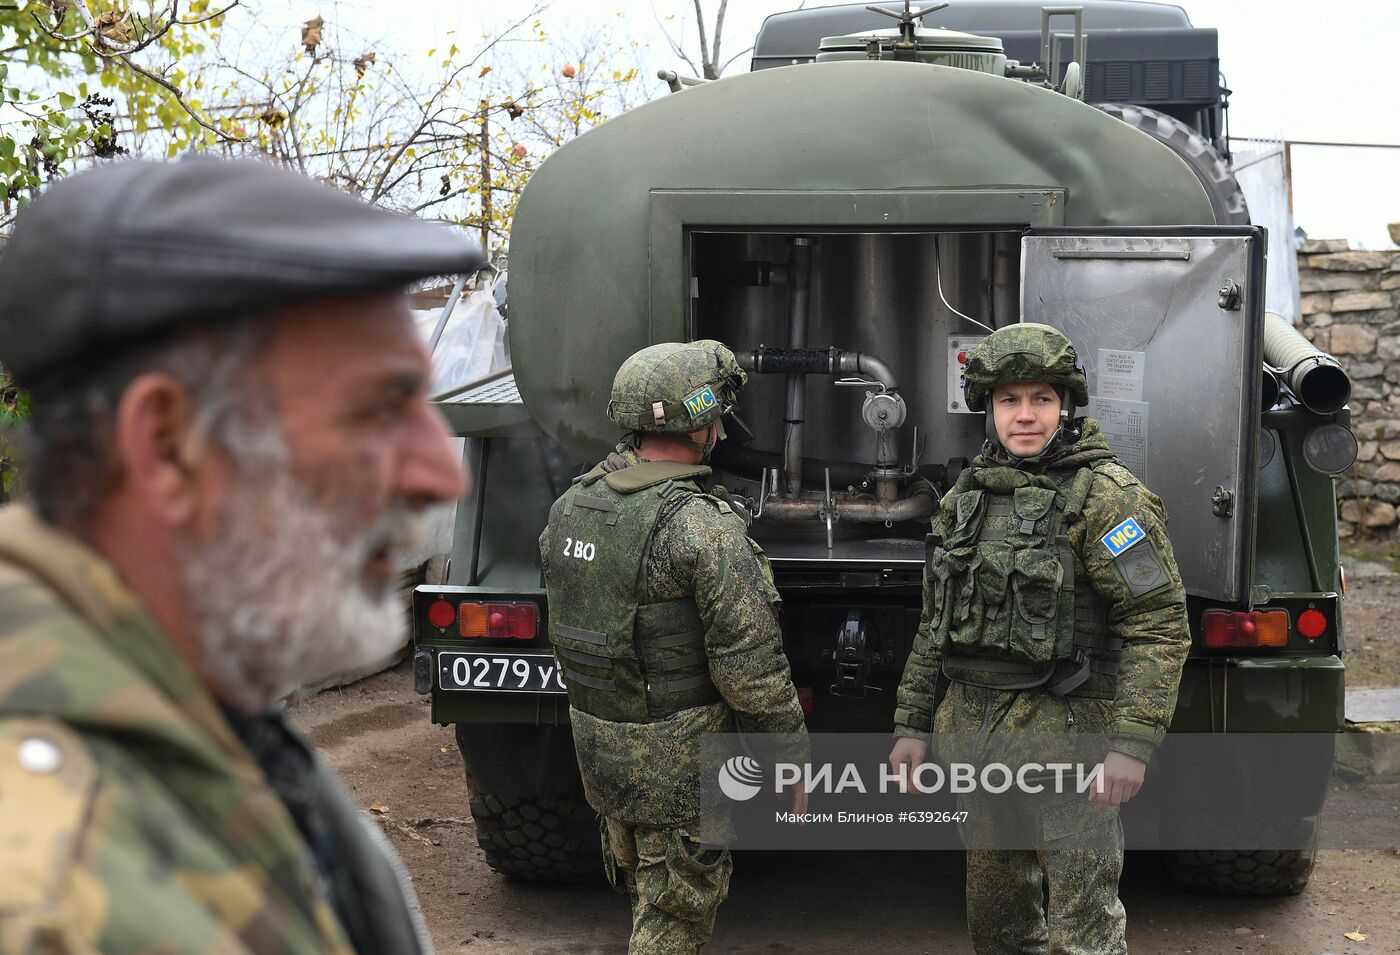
[540, 838]
[1251, 871]
[1226, 197]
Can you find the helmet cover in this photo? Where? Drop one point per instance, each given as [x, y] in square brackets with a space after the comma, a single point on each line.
[676, 387]
[1023, 352]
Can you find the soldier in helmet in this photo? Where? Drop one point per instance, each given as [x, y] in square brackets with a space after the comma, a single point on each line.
[664, 618]
[1052, 605]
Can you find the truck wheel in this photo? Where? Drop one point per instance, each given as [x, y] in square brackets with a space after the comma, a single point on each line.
[1251, 871]
[1226, 197]
[541, 838]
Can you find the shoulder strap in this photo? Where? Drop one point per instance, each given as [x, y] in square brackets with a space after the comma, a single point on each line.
[1076, 493]
[650, 473]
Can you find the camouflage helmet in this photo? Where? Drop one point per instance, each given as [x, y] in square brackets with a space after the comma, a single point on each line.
[677, 387]
[1024, 352]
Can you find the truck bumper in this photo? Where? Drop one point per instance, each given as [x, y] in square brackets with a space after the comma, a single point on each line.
[1244, 695]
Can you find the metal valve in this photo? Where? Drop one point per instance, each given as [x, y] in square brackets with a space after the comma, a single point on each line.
[883, 410]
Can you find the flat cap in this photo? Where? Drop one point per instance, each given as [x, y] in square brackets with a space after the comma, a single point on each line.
[132, 249]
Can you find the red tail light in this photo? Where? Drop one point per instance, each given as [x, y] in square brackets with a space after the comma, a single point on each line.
[514, 621]
[1222, 629]
[441, 614]
[1312, 623]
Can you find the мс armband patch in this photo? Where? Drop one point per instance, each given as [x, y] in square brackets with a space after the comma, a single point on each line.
[1123, 536]
[1142, 570]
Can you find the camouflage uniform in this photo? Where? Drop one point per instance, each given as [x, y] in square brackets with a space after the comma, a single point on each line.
[1119, 680]
[132, 818]
[689, 603]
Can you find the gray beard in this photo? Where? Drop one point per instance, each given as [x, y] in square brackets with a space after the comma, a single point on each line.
[280, 595]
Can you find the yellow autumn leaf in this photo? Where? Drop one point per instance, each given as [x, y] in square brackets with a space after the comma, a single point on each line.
[1357, 936]
[378, 807]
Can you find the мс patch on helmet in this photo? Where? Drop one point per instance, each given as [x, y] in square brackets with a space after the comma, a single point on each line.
[1025, 352]
[677, 387]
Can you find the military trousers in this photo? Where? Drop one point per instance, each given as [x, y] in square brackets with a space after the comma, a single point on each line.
[1047, 901]
[1042, 868]
[675, 884]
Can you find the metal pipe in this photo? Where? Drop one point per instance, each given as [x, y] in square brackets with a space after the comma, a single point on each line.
[447, 312]
[478, 474]
[804, 361]
[1295, 490]
[1269, 389]
[799, 300]
[1315, 377]
[752, 462]
[677, 82]
[863, 364]
[915, 507]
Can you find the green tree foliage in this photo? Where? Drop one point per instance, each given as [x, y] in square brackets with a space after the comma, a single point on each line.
[71, 72]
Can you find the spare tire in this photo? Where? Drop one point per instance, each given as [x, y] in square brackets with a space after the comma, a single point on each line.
[1226, 197]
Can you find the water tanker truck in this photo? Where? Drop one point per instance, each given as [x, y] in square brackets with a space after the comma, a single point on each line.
[851, 217]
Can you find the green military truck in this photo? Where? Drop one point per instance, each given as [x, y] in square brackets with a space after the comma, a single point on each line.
[851, 217]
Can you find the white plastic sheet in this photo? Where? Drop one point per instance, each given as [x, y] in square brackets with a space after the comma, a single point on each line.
[473, 345]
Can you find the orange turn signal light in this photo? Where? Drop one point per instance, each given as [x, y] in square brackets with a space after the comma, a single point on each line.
[1224, 629]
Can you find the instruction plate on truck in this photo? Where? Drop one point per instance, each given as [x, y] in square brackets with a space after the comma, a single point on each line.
[500, 672]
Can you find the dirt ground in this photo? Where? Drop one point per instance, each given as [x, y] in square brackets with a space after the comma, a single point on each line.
[378, 736]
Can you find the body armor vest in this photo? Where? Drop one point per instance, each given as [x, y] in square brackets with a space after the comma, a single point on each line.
[623, 659]
[1009, 610]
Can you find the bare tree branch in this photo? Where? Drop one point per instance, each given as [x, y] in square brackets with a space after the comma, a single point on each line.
[207, 17]
[438, 200]
[61, 37]
[719, 34]
[704, 43]
[675, 44]
[379, 189]
[735, 57]
[179, 98]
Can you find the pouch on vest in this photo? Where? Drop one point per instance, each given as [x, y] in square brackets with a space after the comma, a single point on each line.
[1030, 505]
[969, 510]
[1012, 603]
[1036, 580]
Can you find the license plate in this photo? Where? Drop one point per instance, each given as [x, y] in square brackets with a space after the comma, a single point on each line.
[500, 672]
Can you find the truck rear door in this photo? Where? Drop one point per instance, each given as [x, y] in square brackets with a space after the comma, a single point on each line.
[1168, 323]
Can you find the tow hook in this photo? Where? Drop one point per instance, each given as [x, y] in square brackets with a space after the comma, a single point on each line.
[853, 656]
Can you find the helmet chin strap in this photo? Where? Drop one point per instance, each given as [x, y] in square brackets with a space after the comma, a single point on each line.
[715, 434]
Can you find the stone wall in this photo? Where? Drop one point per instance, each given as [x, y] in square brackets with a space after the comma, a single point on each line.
[1351, 308]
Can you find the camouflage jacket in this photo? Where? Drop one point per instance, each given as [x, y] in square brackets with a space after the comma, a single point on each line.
[700, 550]
[1153, 627]
[132, 819]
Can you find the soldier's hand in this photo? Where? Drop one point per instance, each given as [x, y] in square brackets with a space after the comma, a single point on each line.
[907, 753]
[799, 799]
[1121, 780]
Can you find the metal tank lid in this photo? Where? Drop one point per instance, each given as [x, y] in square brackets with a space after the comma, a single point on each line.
[928, 40]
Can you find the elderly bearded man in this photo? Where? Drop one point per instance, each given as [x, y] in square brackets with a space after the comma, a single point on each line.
[230, 440]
